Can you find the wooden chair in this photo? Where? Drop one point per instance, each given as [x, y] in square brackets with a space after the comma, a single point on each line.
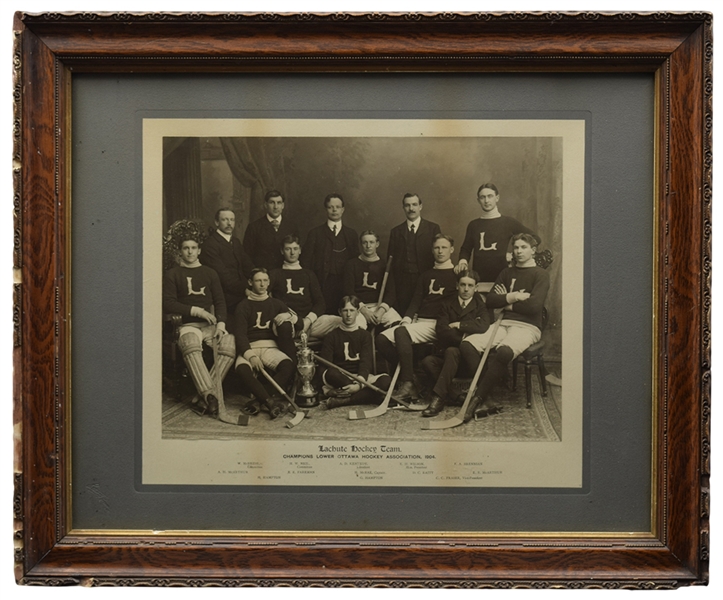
[529, 358]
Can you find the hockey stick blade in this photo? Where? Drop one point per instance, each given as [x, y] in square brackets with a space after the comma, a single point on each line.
[239, 419]
[447, 424]
[379, 410]
[298, 418]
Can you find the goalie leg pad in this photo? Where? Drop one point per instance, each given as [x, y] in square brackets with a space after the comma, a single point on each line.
[226, 357]
[190, 346]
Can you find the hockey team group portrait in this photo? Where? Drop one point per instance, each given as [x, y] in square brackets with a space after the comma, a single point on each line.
[389, 289]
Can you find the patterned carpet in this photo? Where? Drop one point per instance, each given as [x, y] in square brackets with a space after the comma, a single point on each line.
[515, 422]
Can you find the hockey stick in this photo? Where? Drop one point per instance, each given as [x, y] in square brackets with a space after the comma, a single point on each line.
[379, 303]
[379, 410]
[223, 414]
[458, 419]
[300, 414]
[365, 383]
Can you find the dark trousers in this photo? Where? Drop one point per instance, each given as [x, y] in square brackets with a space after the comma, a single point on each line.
[285, 340]
[251, 384]
[332, 287]
[401, 351]
[442, 370]
[495, 370]
[404, 285]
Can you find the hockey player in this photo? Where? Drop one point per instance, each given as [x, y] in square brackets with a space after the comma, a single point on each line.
[350, 347]
[418, 325]
[257, 318]
[488, 237]
[299, 289]
[520, 291]
[461, 315]
[194, 291]
[363, 278]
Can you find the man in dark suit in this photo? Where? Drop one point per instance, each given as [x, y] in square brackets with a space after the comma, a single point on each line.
[262, 240]
[327, 249]
[410, 246]
[224, 254]
[461, 315]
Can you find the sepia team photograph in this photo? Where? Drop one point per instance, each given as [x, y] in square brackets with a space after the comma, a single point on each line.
[353, 292]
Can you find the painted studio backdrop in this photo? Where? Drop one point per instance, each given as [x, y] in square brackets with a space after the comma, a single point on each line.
[201, 174]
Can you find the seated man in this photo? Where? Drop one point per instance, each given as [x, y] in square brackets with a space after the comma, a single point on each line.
[363, 277]
[194, 291]
[418, 326]
[299, 289]
[462, 315]
[257, 318]
[520, 291]
[350, 347]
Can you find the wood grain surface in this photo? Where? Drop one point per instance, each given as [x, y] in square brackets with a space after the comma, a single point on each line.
[49, 48]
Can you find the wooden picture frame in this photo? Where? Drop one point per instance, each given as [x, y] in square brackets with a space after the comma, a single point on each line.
[50, 48]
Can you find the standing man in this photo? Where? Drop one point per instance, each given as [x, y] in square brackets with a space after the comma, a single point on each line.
[410, 246]
[194, 291]
[223, 252]
[328, 248]
[418, 325]
[263, 237]
[520, 292]
[488, 237]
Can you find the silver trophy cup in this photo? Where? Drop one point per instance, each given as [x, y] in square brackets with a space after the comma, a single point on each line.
[307, 396]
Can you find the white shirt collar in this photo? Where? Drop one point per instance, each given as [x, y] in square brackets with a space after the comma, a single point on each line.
[271, 219]
[330, 224]
[415, 223]
[225, 236]
[464, 303]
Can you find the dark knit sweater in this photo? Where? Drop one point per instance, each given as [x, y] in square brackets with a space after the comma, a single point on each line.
[363, 279]
[489, 239]
[535, 281]
[199, 286]
[433, 288]
[351, 350]
[299, 289]
[255, 321]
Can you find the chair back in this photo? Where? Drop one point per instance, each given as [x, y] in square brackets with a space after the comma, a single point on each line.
[184, 229]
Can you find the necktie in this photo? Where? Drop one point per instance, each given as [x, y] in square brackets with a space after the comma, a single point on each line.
[411, 228]
[333, 229]
[276, 224]
[464, 305]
